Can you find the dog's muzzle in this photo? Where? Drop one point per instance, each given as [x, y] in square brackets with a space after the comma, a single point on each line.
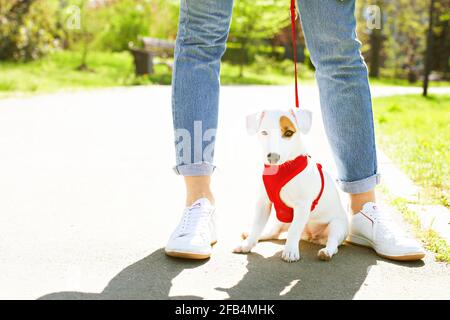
[273, 157]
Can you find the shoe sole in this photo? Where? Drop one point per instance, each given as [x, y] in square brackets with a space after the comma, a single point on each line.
[189, 255]
[363, 242]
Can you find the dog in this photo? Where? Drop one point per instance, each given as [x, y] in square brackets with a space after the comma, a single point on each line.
[317, 214]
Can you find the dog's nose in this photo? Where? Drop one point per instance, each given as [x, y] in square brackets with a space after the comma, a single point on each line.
[273, 157]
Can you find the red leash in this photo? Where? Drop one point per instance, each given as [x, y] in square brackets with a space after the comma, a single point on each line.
[274, 182]
[294, 44]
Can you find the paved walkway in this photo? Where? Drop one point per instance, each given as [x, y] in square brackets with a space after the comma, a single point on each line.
[88, 199]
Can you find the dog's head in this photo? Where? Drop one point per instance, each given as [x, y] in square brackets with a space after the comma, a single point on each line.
[280, 133]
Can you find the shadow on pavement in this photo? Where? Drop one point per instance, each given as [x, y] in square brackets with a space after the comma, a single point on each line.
[310, 278]
[149, 278]
[266, 278]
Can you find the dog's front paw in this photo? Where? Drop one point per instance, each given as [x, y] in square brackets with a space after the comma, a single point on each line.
[290, 254]
[325, 254]
[244, 247]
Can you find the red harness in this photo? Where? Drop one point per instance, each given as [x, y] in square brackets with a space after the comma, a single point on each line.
[276, 177]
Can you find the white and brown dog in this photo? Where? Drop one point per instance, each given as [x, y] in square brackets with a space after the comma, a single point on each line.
[317, 214]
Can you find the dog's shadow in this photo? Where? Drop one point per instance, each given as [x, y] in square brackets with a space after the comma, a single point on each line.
[310, 278]
[266, 278]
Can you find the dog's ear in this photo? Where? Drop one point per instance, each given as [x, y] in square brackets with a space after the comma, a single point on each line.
[303, 118]
[253, 122]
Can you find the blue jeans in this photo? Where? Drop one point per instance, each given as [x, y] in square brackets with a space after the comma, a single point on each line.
[341, 73]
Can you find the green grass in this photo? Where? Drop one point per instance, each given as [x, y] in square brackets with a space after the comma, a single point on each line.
[405, 83]
[58, 71]
[431, 240]
[266, 73]
[415, 131]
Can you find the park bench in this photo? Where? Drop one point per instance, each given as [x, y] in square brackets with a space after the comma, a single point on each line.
[149, 49]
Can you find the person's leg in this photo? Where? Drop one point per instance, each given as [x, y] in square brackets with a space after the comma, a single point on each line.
[198, 187]
[357, 200]
[201, 41]
[329, 28]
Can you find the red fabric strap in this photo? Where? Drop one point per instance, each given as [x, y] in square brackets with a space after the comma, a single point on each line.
[294, 47]
[322, 179]
[276, 177]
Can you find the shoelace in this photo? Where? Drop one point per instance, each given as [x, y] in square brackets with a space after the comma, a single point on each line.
[387, 229]
[193, 221]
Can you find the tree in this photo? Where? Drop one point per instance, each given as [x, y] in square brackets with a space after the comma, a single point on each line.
[429, 49]
[255, 21]
[27, 29]
[85, 32]
[124, 22]
[399, 45]
[83, 22]
[12, 19]
[376, 38]
[441, 37]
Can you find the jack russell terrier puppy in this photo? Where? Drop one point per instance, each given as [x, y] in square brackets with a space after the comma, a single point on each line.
[305, 198]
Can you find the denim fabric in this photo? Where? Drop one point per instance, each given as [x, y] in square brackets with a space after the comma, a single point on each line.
[329, 29]
[201, 41]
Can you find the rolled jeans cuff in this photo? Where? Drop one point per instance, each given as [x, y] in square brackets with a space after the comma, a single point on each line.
[195, 169]
[359, 186]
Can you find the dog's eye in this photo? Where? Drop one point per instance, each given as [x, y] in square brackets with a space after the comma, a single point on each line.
[288, 133]
[264, 133]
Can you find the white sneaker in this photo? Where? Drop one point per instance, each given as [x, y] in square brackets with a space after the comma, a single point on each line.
[372, 228]
[196, 232]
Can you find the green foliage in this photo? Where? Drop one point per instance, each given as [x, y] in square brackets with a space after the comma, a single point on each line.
[404, 26]
[86, 32]
[30, 29]
[265, 71]
[255, 21]
[415, 132]
[27, 29]
[122, 22]
[429, 237]
[125, 21]
[403, 30]
[164, 18]
[258, 31]
[58, 71]
[115, 25]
